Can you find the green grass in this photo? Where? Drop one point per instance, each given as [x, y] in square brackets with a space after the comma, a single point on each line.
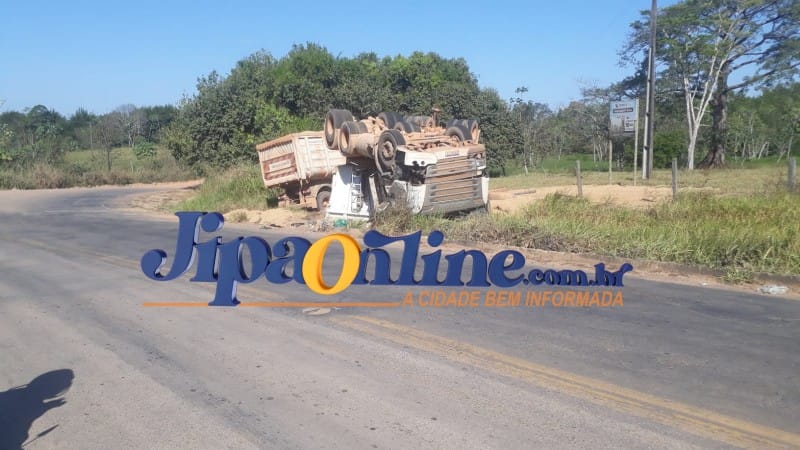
[738, 178]
[121, 158]
[741, 234]
[237, 188]
[89, 168]
[749, 224]
[746, 224]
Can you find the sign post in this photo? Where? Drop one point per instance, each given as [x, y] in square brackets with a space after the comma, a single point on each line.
[635, 152]
[610, 157]
[623, 117]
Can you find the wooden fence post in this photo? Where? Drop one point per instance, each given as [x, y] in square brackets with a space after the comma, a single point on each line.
[674, 178]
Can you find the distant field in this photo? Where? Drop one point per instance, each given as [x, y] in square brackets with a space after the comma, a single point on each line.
[122, 159]
[738, 178]
[90, 168]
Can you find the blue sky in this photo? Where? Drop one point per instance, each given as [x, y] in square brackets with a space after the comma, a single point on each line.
[102, 54]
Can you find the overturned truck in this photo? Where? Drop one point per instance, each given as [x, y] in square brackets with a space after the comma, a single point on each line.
[407, 161]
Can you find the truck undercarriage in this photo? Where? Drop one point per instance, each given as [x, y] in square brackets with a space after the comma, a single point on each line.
[409, 161]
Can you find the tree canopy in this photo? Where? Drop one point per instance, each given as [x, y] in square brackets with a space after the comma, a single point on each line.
[704, 44]
[263, 98]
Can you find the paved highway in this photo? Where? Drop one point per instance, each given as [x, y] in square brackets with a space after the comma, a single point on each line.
[84, 365]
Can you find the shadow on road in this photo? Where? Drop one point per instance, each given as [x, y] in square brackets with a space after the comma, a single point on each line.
[20, 406]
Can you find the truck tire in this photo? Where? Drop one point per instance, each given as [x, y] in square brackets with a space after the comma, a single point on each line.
[333, 123]
[421, 121]
[407, 127]
[347, 130]
[323, 199]
[387, 148]
[458, 132]
[390, 119]
[474, 130]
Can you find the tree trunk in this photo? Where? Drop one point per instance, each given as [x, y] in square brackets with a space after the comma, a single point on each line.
[719, 123]
[690, 150]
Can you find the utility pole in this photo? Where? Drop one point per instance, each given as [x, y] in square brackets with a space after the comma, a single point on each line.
[635, 141]
[645, 141]
[651, 89]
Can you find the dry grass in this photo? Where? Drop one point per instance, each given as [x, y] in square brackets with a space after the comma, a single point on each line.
[235, 188]
[743, 221]
[730, 181]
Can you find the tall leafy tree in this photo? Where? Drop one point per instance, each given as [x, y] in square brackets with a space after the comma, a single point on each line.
[263, 98]
[80, 127]
[711, 49]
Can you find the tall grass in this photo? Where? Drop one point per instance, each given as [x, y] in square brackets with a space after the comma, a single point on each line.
[741, 235]
[235, 188]
[89, 168]
[755, 233]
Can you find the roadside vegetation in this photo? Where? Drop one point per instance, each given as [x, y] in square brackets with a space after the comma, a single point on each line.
[87, 168]
[740, 176]
[748, 223]
[40, 148]
[239, 187]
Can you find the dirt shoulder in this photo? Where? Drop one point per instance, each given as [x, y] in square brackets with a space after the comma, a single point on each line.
[504, 201]
[167, 195]
[512, 200]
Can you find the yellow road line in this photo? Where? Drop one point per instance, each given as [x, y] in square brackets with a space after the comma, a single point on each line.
[677, 415]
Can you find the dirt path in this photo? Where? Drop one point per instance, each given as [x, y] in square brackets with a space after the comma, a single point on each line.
[511, 200]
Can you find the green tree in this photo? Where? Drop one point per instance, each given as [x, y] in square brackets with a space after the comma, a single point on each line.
[263, 98]
[501, 130]
[80, 128]
[43, 135]
[6, 136]
[155, 119]
[764, 125]
[705, 43]
[108, 135]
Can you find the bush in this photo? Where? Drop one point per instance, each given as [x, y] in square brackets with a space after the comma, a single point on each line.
[145, 150]
[669, 145]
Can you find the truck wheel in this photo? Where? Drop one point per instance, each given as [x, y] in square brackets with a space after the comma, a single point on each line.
[333, 122]
[474, 130]
[406, 127]
[458, 132]
[323, 199]
[390, 119]
[421, 121]
[387, 147]
[347, 130]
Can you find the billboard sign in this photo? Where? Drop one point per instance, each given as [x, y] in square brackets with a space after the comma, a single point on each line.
[623, 115]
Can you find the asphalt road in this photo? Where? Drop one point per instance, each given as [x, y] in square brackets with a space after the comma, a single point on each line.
[83, 364]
